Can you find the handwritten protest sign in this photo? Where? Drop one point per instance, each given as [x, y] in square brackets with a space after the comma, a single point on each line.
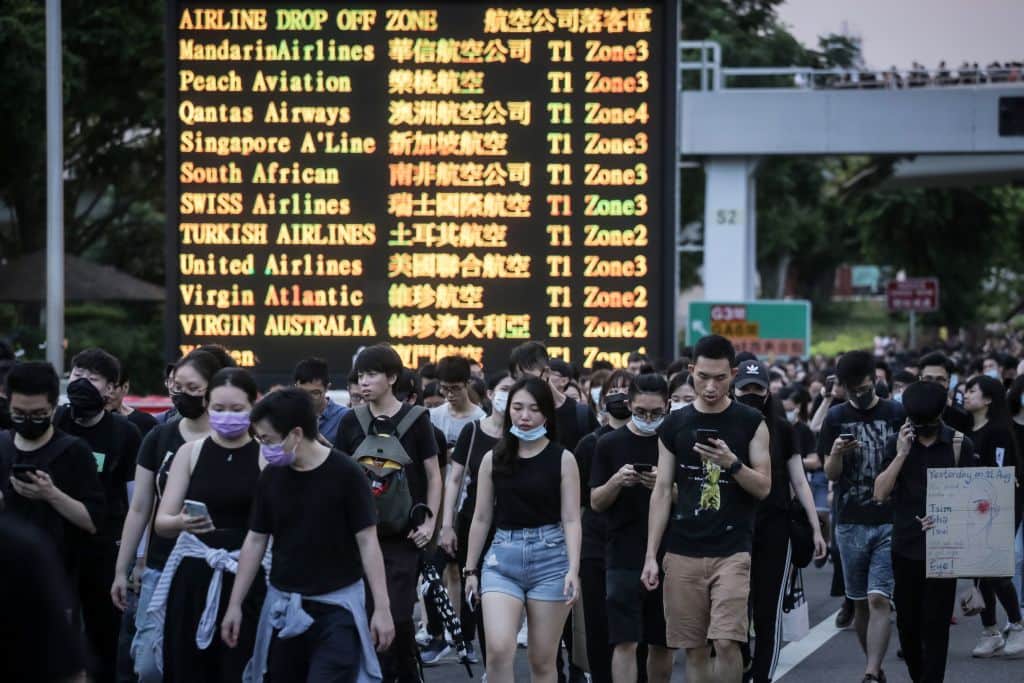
[973, 512]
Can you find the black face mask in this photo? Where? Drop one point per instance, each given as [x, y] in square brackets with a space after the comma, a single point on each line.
[29, 428]
[86, 400]
[754, 401]
[863, 400]
[5, 413]
[188, 405]
[617, 406]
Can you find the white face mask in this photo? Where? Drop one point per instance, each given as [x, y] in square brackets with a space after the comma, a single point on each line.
[676, 405]
[792, 415]
[596, 395]
[994, 374]
[500, 402]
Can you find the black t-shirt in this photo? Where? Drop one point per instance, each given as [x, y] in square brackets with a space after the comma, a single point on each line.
[142, 420]
[156, 455]
[470, 448]
[531, 495]
[911, 489]
[573, 421]
[71, 466]
[442, 447]
[595, 524]
[627, 516]
[958, 418]
[856, 485]
[994, 446]
[419, 442]
[698, 528]
[40, 642]
[806, 442]
[315, 548]
[115, 443]
[783, 447]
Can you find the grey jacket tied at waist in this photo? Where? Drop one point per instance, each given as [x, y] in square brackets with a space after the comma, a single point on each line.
[283, 612]
[219, 560]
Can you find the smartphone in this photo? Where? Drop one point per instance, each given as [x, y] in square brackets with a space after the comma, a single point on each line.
[830, 384]
[19, 470]
[194, 508]
[643, 467]
[846, 436]
[958, 398]
[704, 436]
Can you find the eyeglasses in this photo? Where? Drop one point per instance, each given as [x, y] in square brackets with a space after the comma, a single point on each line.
[649, 415]
[38, 417]
[451, 388]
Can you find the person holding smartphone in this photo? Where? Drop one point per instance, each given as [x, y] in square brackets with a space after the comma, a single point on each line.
[716, 453]
[622, 476]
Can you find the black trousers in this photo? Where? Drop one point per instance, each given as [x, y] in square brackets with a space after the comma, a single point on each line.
[923, 610]
[401, 661]
[329, 652]
[102, 620]
[599, 652]
[1001, 588]
[769, 571]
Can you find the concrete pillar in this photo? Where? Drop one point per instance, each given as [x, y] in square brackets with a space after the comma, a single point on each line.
[730, 228]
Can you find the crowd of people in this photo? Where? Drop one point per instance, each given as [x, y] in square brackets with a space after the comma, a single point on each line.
[605, 517]
[917, 76]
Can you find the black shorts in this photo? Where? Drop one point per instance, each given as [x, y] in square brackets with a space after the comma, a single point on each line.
[635, 614]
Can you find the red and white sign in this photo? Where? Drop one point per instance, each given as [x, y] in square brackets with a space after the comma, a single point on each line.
[920, 295]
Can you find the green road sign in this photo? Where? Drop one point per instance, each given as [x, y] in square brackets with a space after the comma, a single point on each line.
[766, 328]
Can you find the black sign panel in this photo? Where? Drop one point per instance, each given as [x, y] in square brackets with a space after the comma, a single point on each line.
[453, 178]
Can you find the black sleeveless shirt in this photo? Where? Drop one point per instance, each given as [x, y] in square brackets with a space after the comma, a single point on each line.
[531, 496]
[225, 479]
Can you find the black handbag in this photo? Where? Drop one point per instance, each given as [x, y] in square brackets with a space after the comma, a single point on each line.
[801, 535]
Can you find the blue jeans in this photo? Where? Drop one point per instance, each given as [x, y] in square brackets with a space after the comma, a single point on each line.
[528, 564]
[866, 552]
[1018, 568]
[146, 632]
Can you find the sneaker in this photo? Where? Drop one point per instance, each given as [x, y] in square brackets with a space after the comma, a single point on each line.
[844, 619]
[422, 637]
[871, 678]
[1014, 647]
[471, 654]
[435, 652]
[522, 638]
[990, 644]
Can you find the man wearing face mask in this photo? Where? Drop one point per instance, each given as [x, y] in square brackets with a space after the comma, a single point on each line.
[53, 484]
[854, 435]
[114, 442]
[621, 479]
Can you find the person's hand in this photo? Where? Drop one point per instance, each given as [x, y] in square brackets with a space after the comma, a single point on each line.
[196, 525]
[841, 447]
[422, 534]
[626, 477]
[904, 440]
[648, 479]
[231, 624]
[382, 629]
[38, 487]
[571, 590]
[472, 590]
[927, 522]
[119, 591]
[820, 547]
[718, 453]
[449, 541]
[649, 577]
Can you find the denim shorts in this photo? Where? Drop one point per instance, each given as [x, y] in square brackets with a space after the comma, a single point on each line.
[146, 632]
[866, 552]
[528, 564]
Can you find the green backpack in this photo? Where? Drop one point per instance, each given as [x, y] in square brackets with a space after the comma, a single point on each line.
[383, 459]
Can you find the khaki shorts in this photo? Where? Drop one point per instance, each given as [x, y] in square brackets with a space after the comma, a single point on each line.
[706, 599]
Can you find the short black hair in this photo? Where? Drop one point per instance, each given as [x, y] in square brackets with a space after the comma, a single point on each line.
[601, 365]
[407, 384]
[527, 356]
[562, 368]
[286, 409]
[431, 389]
[880, 364]
[637, 357]
[853, 367]
[234, 377]
[310, 370]
[494, 379]
[33, 378]
[428, 371]
[379, 358]
[221, 353]
[453, 369]
[650, 383]
[5, 367]
[937, 359]
[99, 361]
[904, 377]
[715, 347]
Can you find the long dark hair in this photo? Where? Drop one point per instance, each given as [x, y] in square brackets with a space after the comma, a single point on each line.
[998, 410]
[506, 451]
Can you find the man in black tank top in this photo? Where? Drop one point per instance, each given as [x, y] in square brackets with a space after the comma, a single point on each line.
[716, 452]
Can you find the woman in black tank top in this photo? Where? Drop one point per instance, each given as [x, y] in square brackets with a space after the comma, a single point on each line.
[220, 472]
[528, 486]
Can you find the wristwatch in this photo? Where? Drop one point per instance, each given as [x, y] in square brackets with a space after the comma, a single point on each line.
[734, 468]
[466, 573]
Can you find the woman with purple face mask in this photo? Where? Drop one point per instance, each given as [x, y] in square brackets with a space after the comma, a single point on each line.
[206, 507]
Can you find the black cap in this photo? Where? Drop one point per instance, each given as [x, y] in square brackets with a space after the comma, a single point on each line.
[751, 372]
[924, 401]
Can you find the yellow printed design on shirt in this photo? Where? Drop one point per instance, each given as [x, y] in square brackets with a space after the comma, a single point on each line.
[710, 492]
